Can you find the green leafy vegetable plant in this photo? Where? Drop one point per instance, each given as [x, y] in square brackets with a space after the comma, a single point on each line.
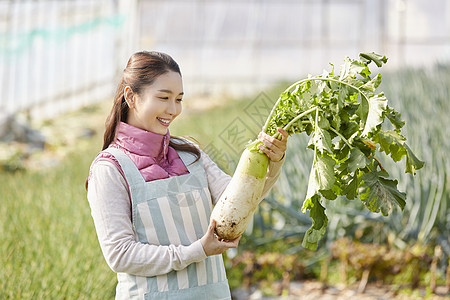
[343, 116]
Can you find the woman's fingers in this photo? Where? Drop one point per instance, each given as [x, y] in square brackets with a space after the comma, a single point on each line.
[270, 141]
[212, 244]
[234, 243]
[212, 227]
[270, 153]
[284, 134]
[231, 243]
[272, 147]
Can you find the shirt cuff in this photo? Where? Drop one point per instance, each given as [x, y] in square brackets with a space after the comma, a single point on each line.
[197, 251]
[275, 166]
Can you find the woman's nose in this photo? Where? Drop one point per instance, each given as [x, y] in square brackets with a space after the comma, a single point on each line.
[171, 108]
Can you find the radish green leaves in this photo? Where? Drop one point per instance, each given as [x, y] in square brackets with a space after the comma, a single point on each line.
[343, 116]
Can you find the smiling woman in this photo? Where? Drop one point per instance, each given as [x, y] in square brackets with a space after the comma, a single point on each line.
[151, 195]
[140, 80]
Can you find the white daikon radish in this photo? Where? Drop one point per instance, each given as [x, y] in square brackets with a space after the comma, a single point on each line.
[235, 208]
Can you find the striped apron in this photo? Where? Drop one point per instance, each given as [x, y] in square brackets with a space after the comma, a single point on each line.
[175, 211]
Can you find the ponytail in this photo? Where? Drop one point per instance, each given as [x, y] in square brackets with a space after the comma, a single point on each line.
[119, 113]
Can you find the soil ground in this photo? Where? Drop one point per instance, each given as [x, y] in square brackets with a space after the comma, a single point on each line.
[314, 290]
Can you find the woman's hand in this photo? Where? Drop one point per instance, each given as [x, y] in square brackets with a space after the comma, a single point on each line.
[212, 245]
[273, 148]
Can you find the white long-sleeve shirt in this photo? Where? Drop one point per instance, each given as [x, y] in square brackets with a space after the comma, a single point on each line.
[111, 211]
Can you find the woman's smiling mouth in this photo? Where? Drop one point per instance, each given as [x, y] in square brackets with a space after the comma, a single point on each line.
[165, 122]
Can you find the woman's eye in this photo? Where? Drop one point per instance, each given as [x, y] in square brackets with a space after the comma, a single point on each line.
[164, 98]
[179, 100]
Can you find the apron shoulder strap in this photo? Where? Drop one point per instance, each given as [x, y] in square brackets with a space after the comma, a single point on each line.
[188, 160]
[132, 174]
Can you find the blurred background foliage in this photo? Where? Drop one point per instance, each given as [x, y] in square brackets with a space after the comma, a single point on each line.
[59, 64]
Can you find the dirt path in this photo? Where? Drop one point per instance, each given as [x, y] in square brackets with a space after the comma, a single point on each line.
[313, 290]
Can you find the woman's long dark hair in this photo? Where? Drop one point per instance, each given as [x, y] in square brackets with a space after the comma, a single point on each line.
[142, 69]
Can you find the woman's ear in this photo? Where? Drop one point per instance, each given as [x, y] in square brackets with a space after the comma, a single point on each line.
[128, 94]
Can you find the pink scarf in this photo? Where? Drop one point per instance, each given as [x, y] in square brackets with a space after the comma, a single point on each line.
[149, 151]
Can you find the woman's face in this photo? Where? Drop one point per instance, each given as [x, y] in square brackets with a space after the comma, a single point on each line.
[158, 104]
